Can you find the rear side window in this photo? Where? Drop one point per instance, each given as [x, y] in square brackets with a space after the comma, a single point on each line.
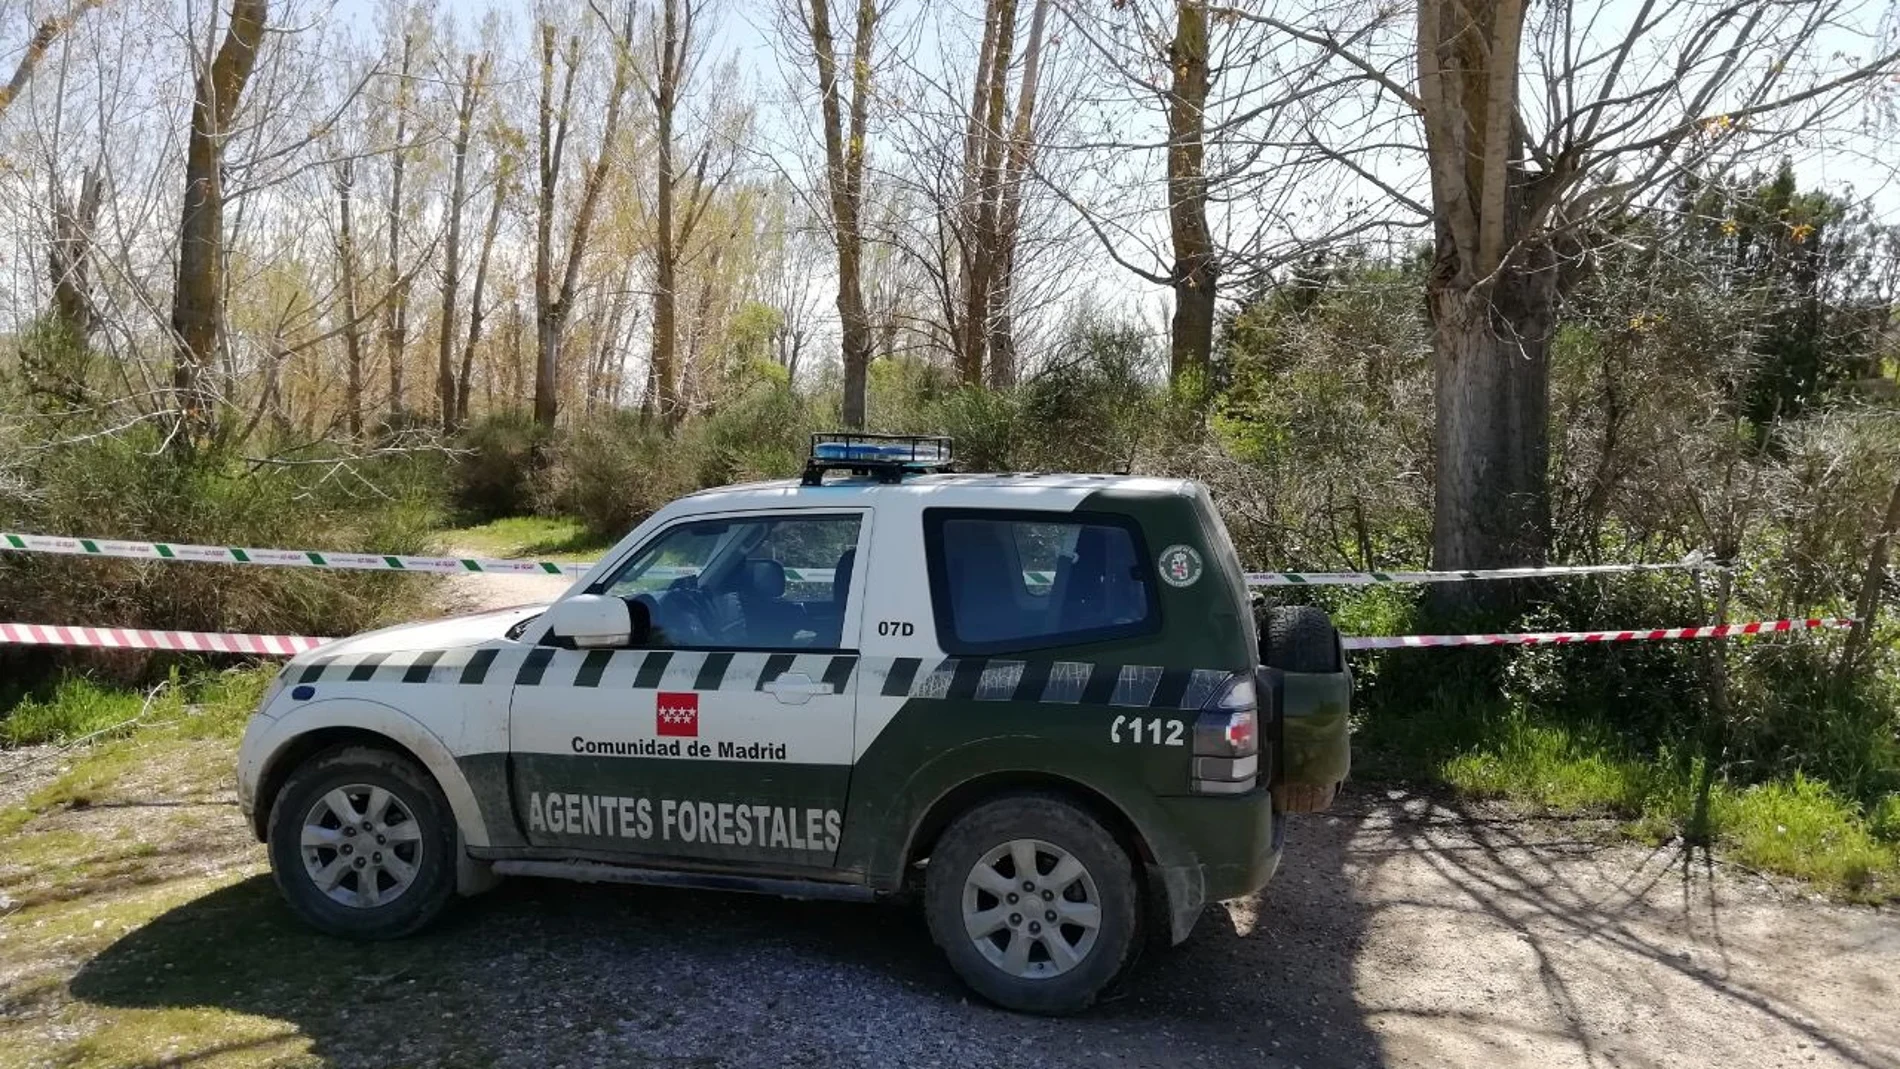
[1009, 581]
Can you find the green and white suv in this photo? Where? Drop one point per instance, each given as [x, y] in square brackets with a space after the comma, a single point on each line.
[1042, 700]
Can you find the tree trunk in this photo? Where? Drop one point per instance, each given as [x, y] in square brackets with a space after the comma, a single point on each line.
[694, 371]
[981, 247]
[552, 305]
[71, 258]
[452, 254]
[1002, 342]
[475, 310]
[1867, 606]
[1492, 296]
[664, 357]
[1490, 364]
[396, 312]
[346, 281]
[844, 179]
[1196, 267]
[197, 317]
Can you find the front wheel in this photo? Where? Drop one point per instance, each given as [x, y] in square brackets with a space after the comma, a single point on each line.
[1033, 902]
[362, 844]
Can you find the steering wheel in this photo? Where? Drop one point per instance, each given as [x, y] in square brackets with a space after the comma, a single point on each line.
[687, 613]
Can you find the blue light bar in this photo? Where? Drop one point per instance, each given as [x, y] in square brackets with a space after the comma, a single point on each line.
[921, 454]
[886, 457]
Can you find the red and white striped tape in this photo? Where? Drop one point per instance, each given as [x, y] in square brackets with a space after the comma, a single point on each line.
[287, 645]
[127, 638]
[1561, 638]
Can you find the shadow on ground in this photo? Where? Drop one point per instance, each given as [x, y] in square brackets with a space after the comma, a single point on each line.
[1402, 929]
[540, 973]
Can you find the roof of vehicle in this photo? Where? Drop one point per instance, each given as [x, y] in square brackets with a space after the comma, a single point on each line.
[1013, 484]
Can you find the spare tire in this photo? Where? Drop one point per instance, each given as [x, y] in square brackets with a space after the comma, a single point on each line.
[1299, 638]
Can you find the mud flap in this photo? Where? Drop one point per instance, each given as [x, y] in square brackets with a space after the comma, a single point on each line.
[1186, 890]
[472, 875]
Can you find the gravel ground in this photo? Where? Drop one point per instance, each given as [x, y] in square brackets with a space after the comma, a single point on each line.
[1401, 931]
[1404, 929]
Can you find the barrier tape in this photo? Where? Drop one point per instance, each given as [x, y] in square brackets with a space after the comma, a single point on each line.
[126, 638]
[281, 558]
[1561, 638]
[1470, 575]
[391, 562]
[287, 645]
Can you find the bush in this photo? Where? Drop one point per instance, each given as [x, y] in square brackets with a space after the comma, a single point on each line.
[129, 487]
[495, 472]
[610, 472]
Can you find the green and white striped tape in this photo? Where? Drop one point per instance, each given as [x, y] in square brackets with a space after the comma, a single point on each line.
[392, 562]
[1467, 576]
[283, 558]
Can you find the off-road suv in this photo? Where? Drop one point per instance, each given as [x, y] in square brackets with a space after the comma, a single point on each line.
[1041, 700]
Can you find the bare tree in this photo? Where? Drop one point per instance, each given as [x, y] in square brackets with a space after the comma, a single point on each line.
[396, 310]
[984, 160]
[474, 74]
[554, 300]
[348, 283]
[1002, 333]
[1196, 269]
[43, 37]
[844, 180]
[1533, 124]
[503, 185]
[197, 319]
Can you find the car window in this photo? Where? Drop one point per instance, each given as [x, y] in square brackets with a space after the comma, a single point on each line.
[765, 583]
[1012, 581]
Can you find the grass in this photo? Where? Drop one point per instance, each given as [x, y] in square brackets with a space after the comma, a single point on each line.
[1796, 826]
[528, 536]
[139, 926]
[76, 708]
[79, 706]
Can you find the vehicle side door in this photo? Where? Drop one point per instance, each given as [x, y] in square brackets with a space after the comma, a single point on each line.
[724, 734]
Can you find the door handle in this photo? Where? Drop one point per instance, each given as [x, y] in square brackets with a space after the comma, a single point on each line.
[797, 688]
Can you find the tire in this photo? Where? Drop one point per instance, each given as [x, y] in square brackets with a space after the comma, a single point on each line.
[1299, 638]
[414, 829]
[1058, 968]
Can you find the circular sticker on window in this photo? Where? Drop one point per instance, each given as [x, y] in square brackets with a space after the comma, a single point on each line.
[1180, 565]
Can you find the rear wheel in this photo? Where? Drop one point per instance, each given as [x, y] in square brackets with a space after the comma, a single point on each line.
[1033, 902]
[362, 844]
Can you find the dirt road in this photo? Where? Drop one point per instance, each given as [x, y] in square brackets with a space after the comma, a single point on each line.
[1402, 931]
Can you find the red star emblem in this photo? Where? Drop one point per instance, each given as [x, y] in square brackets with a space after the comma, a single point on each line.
[677, 714]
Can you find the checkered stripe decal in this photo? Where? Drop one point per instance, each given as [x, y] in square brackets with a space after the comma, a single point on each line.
[951, 678]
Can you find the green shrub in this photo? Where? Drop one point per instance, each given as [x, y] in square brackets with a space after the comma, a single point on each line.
[1884, 819]
[610, 472]
[1803, 828]
[129, 487]
[76, 708]
[495, 472]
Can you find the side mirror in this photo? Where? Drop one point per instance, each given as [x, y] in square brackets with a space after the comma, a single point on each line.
[593, 621]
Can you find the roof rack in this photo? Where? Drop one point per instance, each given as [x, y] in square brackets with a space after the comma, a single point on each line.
[884, 457]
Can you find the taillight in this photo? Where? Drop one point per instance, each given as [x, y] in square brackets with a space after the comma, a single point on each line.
[1227, 740]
